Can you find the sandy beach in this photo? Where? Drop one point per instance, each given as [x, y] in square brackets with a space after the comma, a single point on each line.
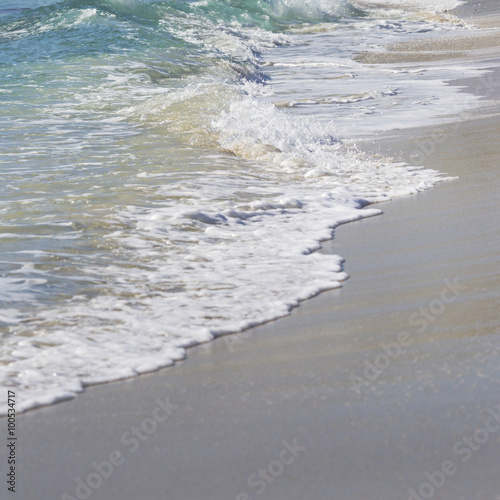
[387, 388]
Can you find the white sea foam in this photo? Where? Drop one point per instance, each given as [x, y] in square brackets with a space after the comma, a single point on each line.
[213, 262]
[182, 211]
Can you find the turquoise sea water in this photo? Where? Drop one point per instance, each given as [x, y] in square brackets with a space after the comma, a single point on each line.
[168, 167]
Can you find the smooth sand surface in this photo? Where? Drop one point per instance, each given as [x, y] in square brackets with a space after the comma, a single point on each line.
[484, 13]
[469, 44]
[297, 409]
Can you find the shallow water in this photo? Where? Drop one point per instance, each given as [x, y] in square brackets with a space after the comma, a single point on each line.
[168, 168]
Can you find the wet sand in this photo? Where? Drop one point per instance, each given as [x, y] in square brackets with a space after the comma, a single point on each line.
[388, 388]
[468, 44]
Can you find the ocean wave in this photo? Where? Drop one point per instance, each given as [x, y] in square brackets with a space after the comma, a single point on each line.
[153, 195]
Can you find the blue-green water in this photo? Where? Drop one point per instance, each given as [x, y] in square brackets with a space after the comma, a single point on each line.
[154, 191]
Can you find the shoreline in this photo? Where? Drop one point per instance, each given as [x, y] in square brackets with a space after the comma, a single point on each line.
[483, 13]
[205, 427]
[236, 406]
